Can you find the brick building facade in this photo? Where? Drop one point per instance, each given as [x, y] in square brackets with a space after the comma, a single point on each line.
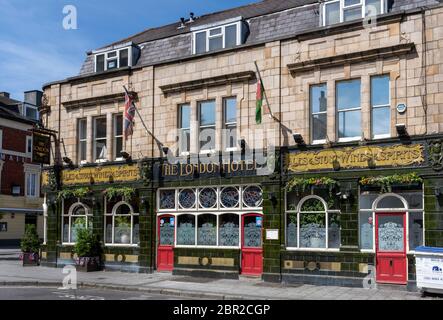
[20, 201]
[350, 97]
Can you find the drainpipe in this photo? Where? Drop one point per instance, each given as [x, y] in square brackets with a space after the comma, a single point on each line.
[424, 50]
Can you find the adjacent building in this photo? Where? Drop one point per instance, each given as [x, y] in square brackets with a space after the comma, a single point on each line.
[20, 197]
[337, 176]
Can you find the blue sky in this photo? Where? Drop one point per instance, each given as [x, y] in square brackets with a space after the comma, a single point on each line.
[35, 48]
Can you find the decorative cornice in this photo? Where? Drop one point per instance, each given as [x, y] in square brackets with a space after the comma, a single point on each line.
[208, 82]
[354, 57]
[81, 103]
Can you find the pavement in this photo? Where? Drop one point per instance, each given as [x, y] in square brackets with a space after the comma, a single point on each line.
[9, 254]
[13, 274]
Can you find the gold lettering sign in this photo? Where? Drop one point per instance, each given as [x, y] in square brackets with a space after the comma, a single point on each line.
[124, 173]
[360, 157]
[188, 169]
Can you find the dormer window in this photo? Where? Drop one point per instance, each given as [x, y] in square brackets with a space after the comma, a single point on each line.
[109, 59]
[227, 34]
[337, 11]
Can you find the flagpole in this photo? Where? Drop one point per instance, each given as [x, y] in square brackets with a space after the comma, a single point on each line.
[271, 115]
[144, 124]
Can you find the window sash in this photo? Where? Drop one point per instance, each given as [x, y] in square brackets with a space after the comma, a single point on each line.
[99, 139]
[118, 135]
[222, 35]
[113, 55]
[343, 8]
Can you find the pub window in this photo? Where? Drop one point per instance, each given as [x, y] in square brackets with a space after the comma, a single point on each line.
[349, 110]
[230, 124]
[380, 107]
[318, 105]
[207, 230]
[82, 140]
[206, 115]
[100, 148]
[312, 225]
[337, 11]
[122, 225]
[184, 126]
[78, 217]
[186, 230]
[407, 202]
[216, 38]
[228, 230]
[118, 136]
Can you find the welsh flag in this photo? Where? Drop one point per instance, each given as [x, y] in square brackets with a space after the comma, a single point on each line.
[258, 110]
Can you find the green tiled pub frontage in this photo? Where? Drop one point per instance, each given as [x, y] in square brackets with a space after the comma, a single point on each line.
[347, 214]
[380, 201]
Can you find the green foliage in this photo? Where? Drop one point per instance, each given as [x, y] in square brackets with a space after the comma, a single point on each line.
[87, 244]
[122, 222]
[301, 185]
[30, 242]
[73, 193]
[125, 192]
[386, 182]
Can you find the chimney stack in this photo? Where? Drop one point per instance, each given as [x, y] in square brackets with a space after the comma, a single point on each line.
[5, 94]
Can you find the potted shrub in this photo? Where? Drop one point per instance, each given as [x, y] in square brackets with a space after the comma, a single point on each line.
[88, 250]
[30, 246]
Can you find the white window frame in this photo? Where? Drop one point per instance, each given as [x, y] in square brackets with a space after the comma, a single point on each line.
[312, 114]
[182, 129]
[30, 170]
[1, 140]
[96, 159]
[406, 210]
[107, 58]
[227, 124]
[362, 4]
[222, 34]
[386, 135]
[218, 210]
[80, 141]
[28, 106]
[88, 215]
[298, 212]
[203, 127]
[114, 214]
[29, 143]
[347, 139]
[116, 153]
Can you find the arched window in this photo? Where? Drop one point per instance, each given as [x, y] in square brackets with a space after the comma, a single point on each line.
[122, 225]
[312, 225]
[79, 216]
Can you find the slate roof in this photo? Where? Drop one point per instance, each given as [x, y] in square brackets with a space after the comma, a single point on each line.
[7, 113]
[268, 20]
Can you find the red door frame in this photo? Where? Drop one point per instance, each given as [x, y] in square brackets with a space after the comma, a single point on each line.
[256, 254]
[397, 258]
[163, 249]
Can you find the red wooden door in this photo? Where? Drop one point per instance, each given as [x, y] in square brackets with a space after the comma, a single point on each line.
[390, 240]
[252, 247]
[166, 238]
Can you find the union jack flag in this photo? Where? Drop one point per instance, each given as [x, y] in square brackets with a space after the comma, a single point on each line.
[129, 115]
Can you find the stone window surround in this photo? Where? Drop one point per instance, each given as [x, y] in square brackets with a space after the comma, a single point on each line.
[365, 77]
[219, 125]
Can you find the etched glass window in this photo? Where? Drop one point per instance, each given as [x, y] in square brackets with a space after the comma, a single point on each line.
[228, 230]
[391, 235]
[415, 230]
[252, 197]
[252, 232]
[229, 197]
[186, 230]
[186, 198]
[122, 225]
[366, 223]
[76, 218]
[167, 199]
[167, 231]
[207, 230]
[207, 198]
[291, 230]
